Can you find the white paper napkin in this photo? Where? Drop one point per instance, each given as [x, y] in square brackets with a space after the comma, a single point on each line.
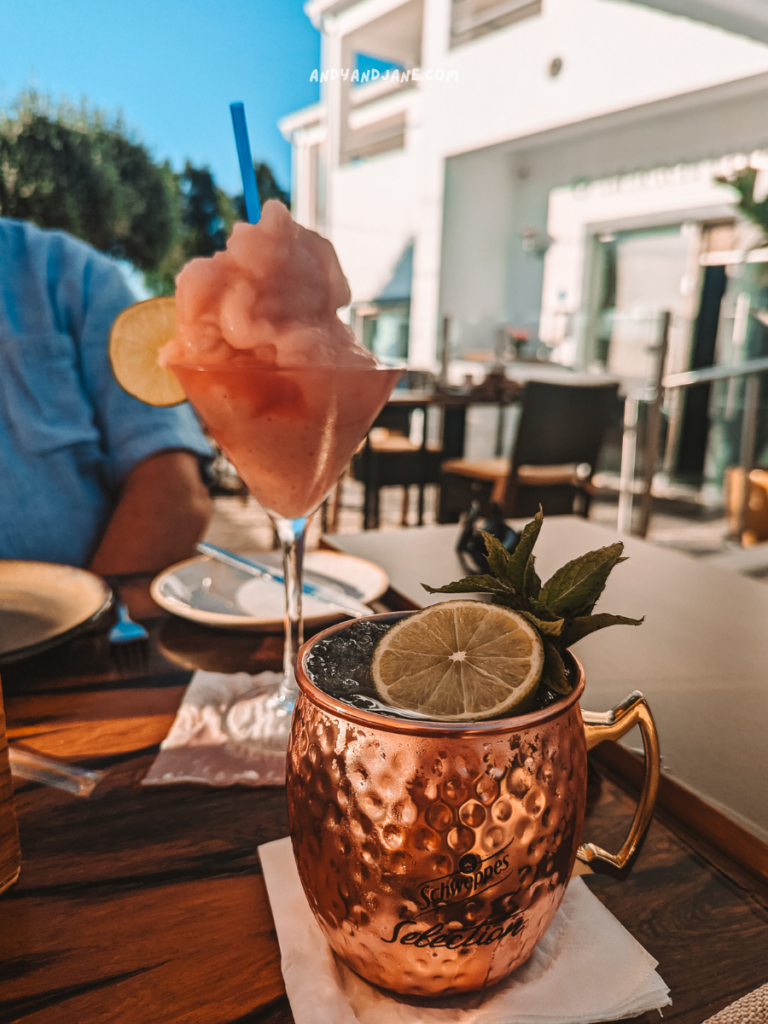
[586, 968]
[200, 746]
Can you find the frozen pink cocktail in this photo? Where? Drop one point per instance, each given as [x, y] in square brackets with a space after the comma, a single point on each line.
[286, 391]
[289, 431]
[281, 383]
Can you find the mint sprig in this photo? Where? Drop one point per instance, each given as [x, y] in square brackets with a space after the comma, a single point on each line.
[560, 609]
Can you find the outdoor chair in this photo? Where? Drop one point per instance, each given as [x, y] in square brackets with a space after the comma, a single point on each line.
[390, 459]
[553, 459]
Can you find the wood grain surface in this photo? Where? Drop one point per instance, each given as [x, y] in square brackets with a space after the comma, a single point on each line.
[147, 905]
[10, 857]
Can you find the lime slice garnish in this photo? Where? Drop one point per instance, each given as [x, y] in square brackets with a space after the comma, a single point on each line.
[459, 661]
[137, 336]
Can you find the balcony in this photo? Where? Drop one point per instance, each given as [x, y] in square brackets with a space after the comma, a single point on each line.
[375, 112]
[471, 19]
[378, 119]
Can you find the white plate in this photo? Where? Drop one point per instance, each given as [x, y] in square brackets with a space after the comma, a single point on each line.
[204, 590]
[42, 604]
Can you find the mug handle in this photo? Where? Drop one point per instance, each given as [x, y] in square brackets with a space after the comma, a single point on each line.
[612, 725]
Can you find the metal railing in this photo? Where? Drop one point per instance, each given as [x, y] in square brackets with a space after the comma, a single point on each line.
[751, 369]
[653, 395]
[690, 377]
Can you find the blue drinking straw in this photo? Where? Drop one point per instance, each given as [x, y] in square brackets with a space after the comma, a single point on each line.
[251, 193]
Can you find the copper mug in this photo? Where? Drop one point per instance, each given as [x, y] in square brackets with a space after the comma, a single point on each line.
[435, 856]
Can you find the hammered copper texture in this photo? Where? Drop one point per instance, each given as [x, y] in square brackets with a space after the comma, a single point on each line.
[434, 863]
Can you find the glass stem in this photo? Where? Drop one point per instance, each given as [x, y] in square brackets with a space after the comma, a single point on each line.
[292, 534]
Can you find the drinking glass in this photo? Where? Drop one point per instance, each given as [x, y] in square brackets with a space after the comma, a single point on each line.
[289, 432]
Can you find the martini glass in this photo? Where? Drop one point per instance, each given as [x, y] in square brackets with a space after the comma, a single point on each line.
[289, 432]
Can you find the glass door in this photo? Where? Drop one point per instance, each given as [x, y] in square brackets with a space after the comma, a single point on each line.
[641, 274]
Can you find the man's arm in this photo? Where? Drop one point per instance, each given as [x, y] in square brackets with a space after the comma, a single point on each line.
[163, 510]
[163, 507]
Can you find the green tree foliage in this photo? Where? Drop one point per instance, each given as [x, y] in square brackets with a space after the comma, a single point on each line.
[203, 215]
[744, 182]
[74, 170]
[78, 170]
[202, 212]
[267, 186]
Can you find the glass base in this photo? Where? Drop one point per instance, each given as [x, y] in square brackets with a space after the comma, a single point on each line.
[261, 720]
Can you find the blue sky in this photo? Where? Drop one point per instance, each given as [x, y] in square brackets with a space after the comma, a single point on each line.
[172, 67]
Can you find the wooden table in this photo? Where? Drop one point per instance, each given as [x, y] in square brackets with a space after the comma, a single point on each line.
[500, 391]
[453, 407]
[146, 906]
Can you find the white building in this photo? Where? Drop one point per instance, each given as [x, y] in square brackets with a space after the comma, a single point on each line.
[538, 154]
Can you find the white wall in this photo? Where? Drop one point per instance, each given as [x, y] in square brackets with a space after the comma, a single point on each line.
[375, 218]
[638, 89]
[650, 198]
[478, 196]
[664, 184]
[615, 56]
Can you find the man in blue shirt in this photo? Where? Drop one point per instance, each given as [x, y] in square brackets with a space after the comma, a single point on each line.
[89, 476]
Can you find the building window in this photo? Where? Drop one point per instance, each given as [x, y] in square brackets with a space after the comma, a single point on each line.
[382, 136]
[473, 18]
[384, 331]
[640, 275]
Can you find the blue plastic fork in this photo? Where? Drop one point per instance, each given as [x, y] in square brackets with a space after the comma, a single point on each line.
[125, 629]
[128, 643]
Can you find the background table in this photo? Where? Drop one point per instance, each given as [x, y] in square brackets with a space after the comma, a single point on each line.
[453, 406]
[147, 906]
[701, 656]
